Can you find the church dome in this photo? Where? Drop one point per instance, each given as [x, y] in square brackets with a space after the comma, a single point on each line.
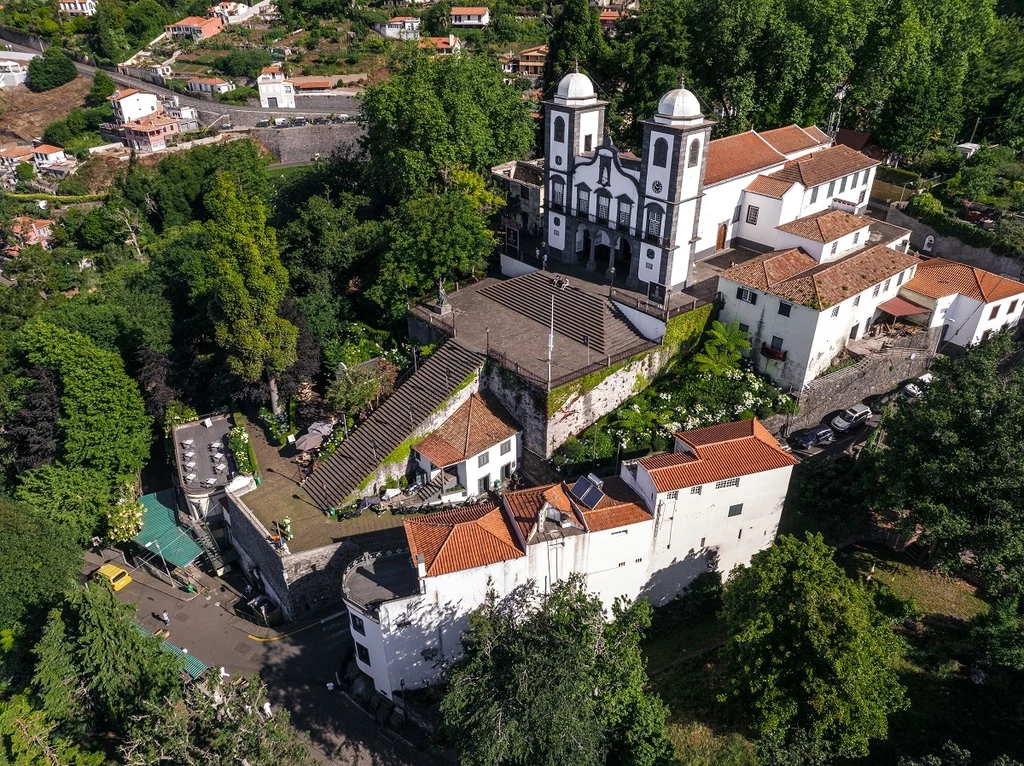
[575, 89]
[678, 107]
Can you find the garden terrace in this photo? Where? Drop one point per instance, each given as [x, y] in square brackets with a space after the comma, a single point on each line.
[201, 454]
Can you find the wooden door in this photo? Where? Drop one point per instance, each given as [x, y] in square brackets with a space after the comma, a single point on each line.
[723, 228]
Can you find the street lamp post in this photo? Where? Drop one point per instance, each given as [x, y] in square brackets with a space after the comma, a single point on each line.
[160, 553]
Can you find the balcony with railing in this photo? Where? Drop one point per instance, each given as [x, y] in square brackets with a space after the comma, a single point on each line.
[773, 353]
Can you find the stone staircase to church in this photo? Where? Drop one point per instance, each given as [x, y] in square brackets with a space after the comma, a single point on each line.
[586, 317]
[391, 424]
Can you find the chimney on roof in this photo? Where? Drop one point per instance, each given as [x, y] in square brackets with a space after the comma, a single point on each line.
[421, 566]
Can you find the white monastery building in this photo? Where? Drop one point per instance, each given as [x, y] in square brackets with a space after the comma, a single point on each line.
[275, 91]
[651, 217]
[710, 504]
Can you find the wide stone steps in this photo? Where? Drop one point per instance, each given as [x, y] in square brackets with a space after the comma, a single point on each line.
[391, 424]
[585, 317]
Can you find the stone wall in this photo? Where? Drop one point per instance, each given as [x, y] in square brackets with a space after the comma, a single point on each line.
[527, 404]
[251, 539]
[875, 374]
[302, 144]
[951, 248]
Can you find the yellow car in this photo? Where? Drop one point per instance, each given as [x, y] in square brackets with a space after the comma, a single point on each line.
[117, 577]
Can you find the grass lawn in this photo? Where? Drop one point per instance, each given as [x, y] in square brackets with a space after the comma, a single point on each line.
[85, 141]
[880, 190]
[932, 592]
[667, 645]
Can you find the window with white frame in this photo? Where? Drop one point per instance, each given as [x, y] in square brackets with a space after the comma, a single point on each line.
[745, 295]
[752, 212]
[856, 237]
[899, 279]
[695, 490]
[727, 483]
[835, 311]
[831, 188]
[735, 510]
[654, 221]
[814, 195]
[558, 191]
[673, 495]
[842, 185]
[863, 194]
[885, 287]
[582, 202]
[835, 247]
[506, 447]
[874, 293]
[736, 213]
[483, 459]
[856, 300]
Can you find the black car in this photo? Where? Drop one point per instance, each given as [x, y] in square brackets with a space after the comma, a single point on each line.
[814, 436]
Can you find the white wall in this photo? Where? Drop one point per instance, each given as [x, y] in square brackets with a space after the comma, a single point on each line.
[822, 251]
[717, 206]
[474, 472]
[769, 212]
[650, 327]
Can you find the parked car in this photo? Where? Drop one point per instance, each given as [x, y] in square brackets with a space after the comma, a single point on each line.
[117, 577]
[915, 388]
[320, 121]
[857, 415]
[814, 436]
[281, 122]
[263, 124]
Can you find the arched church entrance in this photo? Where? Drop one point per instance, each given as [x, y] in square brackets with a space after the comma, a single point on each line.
[622, 256]
[602, 250]
[584, 243]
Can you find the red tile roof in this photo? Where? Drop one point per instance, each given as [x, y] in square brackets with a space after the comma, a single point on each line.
[769, 187]
[271, 70]
[725, 451]
[440, 43]
[123, 94]
[16, 151]
[826, 226]
[739, 155]
[937, 278]
[524, 504]
[619, 507]
[464, 538]
[827, 165]
[471, 10]
[815, 132]
[47, 149]
[477, 425]
[820, 285]
[791, 138]
[855, 139]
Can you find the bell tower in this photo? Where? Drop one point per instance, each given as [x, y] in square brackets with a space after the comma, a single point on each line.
[672, 186]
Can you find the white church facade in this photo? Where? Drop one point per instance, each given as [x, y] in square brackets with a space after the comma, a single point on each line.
[650, 218]
[710, 504]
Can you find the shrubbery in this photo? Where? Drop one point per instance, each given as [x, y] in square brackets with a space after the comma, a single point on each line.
[51, 70]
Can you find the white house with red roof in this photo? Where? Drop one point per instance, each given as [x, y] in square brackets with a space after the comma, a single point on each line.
[711, 504]
[650, 218]
[399, 28]
[471, 17]
[832, 278]
[275, 91]
[130, 104]
[968, 303]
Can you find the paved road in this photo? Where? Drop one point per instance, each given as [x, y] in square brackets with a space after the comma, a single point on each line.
[295, 668]
[209, 106]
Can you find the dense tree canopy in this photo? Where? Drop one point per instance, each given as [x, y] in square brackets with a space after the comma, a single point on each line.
[576, 42]
[51, 69]
[951, 463]
[809, 654]
[436, 114]
[39, 560]
[545, 681]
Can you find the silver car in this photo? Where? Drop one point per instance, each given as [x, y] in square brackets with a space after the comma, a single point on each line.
[856, 415]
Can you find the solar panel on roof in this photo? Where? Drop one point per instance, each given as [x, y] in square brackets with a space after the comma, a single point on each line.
[593, 497]
[581, 487]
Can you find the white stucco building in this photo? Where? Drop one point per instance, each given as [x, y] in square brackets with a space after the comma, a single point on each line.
[829, 282]
[12, 73]
[472, 17]
[210, 85]
[651, 217]
[77, 7]
[399, 28]
[968, 303]
[711, 503]
[475, 449]
[131, 104]
[275, 91]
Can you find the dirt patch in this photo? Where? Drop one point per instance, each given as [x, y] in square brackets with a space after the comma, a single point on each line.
[27, 113]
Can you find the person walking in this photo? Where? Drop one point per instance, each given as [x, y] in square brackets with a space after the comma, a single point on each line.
[165, 618]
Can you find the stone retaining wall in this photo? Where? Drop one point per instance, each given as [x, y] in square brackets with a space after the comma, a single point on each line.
[303, 144]
[951, 248]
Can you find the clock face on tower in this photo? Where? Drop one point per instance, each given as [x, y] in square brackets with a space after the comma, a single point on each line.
[657, 187]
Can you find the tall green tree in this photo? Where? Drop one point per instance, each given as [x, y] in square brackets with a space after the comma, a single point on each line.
[76, 498]
[576, 40]
[241, 286]
[104, 424]
[51, 69]
[545, 680]
[950, 465]
[220, 723]
[809, 654]
[39, 560]
[95, 667]
[432, 238]
[29, 738]
[103, 87]
[436, 114]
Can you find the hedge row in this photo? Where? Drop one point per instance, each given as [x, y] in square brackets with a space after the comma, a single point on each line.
[896, 176]
[929, 210]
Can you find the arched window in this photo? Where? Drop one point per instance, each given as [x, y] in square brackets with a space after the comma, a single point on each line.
[694, 153]
[661, 153]
[557, 192]
[560, 129]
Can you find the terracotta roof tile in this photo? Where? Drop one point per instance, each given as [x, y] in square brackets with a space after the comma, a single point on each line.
[769, 187]
[17, 151]
[815, 132]
[477, 425]
[725, 451]
[827, 165]
[938, 277]
[122, 94]
[855, 139]
[470, 10]
[464, 538]
[789, 139]
[820, 285]
[619, 507]
[739, 155]
[47, 149]
[826, 226]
